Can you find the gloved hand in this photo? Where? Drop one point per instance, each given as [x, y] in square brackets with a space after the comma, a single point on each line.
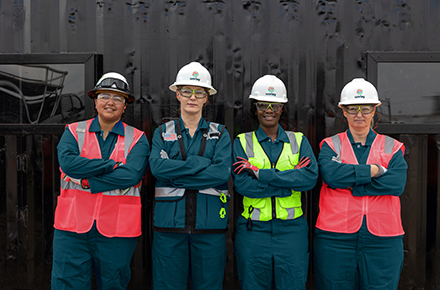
[118, 164]
[303, 162]
[245, 165]
[85, 183]
[164, 154]
[382, 170]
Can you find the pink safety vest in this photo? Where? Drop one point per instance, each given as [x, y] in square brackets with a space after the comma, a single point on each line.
[341, 212]
[118, 212]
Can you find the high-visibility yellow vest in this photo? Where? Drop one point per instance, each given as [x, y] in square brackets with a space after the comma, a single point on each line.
[265, 209]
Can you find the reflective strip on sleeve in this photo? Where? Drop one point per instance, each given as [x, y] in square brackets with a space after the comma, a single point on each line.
[215, 192]
[169, 192]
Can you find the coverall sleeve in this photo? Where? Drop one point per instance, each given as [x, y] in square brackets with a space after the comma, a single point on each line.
[125, 175]
[341, 175]
[170, 169]
[297, 179]
[76, 166]
[392, 182]
[218, 171]
[273, 182]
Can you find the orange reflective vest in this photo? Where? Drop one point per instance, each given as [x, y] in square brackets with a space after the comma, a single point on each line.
[341, 212]
[117, 212]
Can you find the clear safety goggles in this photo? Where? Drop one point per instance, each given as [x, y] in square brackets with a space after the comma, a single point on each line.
[364, 109]
[276, 107]
[107, 97]
[198, 93]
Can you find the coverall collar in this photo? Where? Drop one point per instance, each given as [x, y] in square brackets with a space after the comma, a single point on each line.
[281, 135]
[370, 138]
[202, 124]
[117, 129]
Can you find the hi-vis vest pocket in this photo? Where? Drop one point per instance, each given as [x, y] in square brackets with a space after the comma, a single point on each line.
[254, 202]
[289, 207]
[64, 212]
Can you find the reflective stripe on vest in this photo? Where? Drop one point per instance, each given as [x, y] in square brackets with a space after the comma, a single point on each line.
[249, 150]
[341, 212]
[213, 133]
[178, 192]
[286, 208]
[67, 183]
[389, 144]
[117, 213]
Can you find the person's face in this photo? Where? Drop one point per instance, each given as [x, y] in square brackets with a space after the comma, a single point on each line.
[268, 114]
[110, 106]
[192, 99]
[359, 116]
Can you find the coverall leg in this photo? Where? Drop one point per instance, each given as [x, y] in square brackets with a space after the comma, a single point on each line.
[75, 255]
[357, 261]
[173, 253]
[273, 252]
[208, 261]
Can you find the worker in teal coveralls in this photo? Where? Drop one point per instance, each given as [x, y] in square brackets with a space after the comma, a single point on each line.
[358, 236]
[98, 214]
[191, 159]
[271, 168]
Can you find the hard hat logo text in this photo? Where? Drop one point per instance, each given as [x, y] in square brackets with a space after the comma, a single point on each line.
[359, 93]
[270, 91]
[195, 75]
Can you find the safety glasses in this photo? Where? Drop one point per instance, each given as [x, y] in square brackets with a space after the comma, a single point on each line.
[106, 98]
[276, 107]
[365, 109]
[114, 83]
[187, 93]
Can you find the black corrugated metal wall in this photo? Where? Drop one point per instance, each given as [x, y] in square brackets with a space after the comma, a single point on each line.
[315, 47]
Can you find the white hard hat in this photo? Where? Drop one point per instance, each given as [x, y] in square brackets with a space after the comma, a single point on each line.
[114, 82]
[269, 88]
[194, 74]
[359, 91]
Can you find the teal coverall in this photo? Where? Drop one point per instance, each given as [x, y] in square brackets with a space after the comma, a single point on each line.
[273, 252]
[359, 260]
[189, 230]
[75, 256]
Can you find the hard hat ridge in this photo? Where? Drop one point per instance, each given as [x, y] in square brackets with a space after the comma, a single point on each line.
[359, 91]
[115, 82]
[193, 74]
[269, 88]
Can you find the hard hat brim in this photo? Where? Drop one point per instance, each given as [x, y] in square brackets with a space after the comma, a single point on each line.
[359, 102]
[92, 94]
[211, 90]
[268, 99]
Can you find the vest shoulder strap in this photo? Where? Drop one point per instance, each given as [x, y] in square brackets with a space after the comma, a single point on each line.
[81, 133]
[129, 138]
[248, 138]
